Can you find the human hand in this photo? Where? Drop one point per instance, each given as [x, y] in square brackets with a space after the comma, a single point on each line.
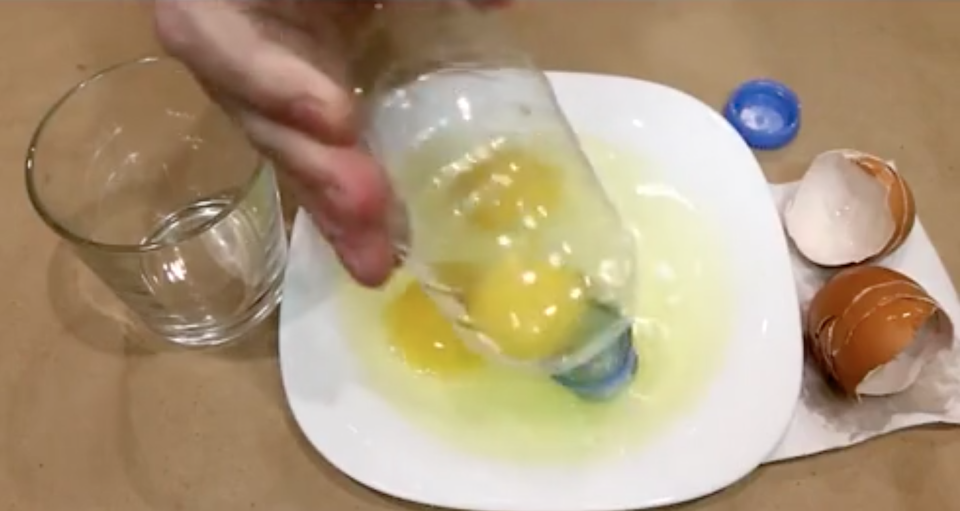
[278, 67]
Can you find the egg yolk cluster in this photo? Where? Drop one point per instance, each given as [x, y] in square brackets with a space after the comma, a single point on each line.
[525, 304]
[528, 307]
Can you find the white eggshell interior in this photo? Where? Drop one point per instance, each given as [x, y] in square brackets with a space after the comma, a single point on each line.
[840, 213]
[902, 372]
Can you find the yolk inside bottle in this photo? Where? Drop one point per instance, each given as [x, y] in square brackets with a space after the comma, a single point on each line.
[510, 188]
[528, 306]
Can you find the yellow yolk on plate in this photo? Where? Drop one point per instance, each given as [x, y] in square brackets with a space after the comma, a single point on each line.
[426, 340]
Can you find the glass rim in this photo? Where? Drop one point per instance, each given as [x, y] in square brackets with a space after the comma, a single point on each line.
[65, 232]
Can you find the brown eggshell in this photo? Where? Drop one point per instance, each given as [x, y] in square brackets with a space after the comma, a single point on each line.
[831, 302]
[882, 335]
[900, 198]
[863, 318]
[839, 292]
[864, 304]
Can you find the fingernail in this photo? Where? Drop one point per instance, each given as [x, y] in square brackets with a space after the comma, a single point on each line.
[358, 263]
[366, 258]
[353, 264]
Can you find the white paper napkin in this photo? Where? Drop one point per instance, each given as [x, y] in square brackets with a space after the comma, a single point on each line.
[824, 422]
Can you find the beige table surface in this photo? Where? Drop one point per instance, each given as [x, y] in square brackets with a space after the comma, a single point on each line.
[91, 420]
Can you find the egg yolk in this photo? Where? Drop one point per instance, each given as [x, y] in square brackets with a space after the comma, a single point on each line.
[529, 308]
[424, 338]
[454, 275]
[509, 189]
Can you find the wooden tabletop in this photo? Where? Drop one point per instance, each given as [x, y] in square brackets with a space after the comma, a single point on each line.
[92, 419]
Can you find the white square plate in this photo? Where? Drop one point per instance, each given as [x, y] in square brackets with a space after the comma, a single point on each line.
[728, 432]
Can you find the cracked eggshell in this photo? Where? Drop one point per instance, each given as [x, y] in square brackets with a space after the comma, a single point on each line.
[851, 207]
[873, 329]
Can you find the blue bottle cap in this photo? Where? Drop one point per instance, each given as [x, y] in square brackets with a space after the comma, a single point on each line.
[604, 376]
[766, 113]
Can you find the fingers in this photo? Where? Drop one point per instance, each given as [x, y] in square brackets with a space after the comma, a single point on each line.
[267, 73]
[264, 60]
[224, 47]
[343, 191]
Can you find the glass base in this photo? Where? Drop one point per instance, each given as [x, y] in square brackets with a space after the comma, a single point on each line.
[217, 335]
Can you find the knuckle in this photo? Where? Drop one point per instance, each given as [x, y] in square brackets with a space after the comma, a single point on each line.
[340, 114]
[342, 107]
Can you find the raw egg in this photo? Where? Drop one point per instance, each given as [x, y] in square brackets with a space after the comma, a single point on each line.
[506, 189]
[873, 329]
[850, 208]
[527, 306]
[425, 340]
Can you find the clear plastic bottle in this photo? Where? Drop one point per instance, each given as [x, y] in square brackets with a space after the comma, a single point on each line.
[500, 216]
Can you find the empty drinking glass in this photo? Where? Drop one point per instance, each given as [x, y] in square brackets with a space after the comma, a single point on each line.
[164, 199]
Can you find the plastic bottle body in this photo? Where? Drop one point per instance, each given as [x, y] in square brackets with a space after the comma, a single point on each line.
[503, 220]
